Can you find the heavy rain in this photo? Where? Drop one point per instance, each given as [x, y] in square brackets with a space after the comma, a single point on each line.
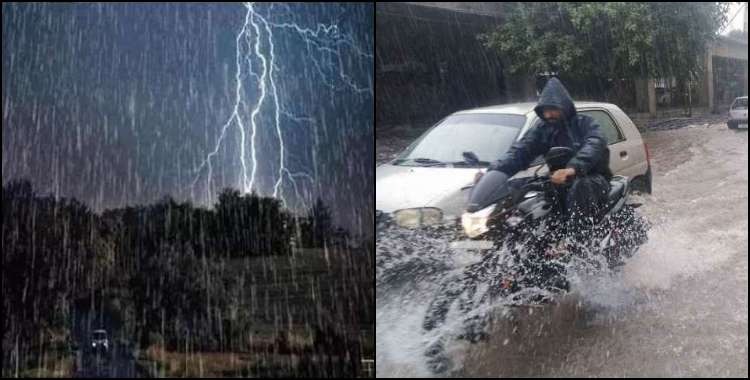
[187, 190]
[478, 271]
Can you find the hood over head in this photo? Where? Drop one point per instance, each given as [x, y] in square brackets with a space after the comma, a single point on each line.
[555, 95]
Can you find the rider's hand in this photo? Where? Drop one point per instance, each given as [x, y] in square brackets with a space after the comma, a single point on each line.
[560, 176]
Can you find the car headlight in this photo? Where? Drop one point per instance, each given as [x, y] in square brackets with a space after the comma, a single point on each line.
[93, 344]
[475, 223]
[418, 217]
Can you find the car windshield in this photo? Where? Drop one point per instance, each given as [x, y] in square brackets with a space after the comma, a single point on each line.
[488, 136]
[100, 335]
[740, 104]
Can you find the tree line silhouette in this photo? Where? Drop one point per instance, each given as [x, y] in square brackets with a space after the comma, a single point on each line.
[176, 260]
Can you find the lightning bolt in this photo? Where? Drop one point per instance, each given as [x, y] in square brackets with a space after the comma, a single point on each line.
[325, 44]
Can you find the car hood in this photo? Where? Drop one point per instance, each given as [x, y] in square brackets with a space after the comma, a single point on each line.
[400, 187]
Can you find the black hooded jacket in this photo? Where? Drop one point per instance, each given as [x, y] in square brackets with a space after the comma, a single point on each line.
[579, 132]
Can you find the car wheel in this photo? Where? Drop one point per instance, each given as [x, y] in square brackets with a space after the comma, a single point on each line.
[732, 125]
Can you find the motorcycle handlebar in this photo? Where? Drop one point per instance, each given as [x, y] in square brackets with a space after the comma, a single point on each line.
[543, 183]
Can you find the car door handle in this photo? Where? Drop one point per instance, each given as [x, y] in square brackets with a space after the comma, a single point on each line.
[623, 153]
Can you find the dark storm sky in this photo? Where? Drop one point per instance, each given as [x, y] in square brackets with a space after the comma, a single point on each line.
[119, 104]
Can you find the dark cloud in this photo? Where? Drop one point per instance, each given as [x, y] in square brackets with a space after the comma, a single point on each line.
[118, 104]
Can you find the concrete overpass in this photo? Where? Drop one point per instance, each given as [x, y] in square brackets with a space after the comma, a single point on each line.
[429, 62]
[478, 9]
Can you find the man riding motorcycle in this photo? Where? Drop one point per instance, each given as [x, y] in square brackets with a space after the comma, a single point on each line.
[579, 207]
[581, 188]
[584, 182]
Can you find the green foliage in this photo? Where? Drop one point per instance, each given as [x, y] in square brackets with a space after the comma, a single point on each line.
[598, 41]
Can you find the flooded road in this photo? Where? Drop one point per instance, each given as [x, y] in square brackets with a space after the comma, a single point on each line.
[679, 308]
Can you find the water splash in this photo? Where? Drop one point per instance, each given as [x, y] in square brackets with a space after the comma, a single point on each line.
[414, 266]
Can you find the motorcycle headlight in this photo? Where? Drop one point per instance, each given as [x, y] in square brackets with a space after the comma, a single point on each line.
[514, 220]
[475, 223]
[418, 217]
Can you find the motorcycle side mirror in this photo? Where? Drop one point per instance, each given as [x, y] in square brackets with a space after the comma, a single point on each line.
[558, 156]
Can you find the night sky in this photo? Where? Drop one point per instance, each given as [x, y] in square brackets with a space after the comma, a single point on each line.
[120, 104]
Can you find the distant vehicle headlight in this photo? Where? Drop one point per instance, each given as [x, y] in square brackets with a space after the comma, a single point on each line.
[418, 217]
[475, 223]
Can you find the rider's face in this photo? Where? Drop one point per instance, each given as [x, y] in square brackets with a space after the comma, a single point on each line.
[552, 115]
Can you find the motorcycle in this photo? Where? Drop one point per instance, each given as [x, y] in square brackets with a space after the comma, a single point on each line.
[524, 224]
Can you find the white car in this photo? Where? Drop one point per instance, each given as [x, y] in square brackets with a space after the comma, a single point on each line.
[738, 113]
[430, 179]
